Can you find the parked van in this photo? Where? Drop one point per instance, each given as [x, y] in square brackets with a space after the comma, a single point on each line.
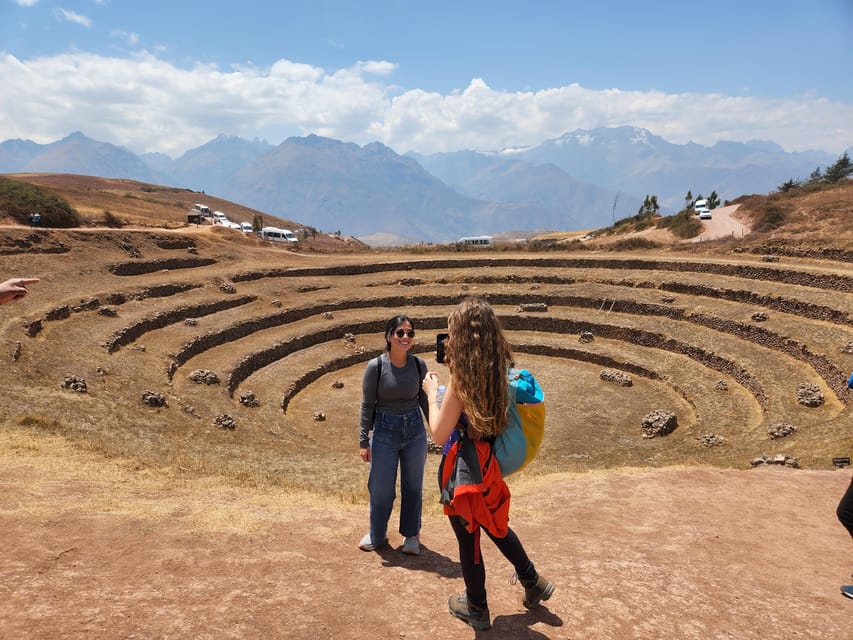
[274, 234]
[476, 241]
[246, 227]
[203, 208]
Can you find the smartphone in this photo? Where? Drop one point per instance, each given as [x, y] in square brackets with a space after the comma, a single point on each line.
[439, 347]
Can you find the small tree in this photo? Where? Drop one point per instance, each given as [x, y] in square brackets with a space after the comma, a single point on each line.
[815, 177]
[713, 200]
[839, 170]
[650, 206]
[788, 185]
[688, 200]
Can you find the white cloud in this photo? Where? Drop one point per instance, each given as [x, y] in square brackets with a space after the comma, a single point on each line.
[132, 39]
[73, 16]
[148, 104]
[26, 3]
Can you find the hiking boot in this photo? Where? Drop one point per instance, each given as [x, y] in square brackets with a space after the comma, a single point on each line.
[471, 614]
[847, 590]
[366, 543]
[412, 546]
[535, 591]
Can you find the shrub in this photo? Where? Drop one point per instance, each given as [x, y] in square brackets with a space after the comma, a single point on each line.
[682, 225]
[630, 244]
[20, 200]
[769, 217]
[112, 221]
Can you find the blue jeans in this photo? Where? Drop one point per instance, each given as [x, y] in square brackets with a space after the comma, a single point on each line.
[396, 439]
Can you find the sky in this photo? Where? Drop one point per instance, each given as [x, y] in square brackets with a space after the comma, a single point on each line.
[426, 76]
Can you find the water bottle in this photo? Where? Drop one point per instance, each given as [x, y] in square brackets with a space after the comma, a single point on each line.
[440, 395]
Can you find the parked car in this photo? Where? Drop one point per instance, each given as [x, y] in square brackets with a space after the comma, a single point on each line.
[275, 234]
[246, 227]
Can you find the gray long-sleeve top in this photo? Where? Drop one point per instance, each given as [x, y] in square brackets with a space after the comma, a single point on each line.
[397, 391]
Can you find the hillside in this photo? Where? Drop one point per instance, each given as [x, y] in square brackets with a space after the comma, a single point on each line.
[144, 499]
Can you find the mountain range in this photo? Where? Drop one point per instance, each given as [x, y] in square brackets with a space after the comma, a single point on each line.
[585, 179]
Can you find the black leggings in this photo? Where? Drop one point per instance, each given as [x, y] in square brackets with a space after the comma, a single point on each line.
[473, 568]
[845, 509]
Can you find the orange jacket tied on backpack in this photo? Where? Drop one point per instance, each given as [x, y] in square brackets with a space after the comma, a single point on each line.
[473, 488]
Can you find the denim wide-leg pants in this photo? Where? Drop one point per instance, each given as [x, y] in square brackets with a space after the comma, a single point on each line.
[396, 440]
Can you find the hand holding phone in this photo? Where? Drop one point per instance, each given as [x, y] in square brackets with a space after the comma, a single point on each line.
[440, 355]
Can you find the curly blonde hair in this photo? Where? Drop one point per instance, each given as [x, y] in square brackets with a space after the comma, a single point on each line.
[479, 357]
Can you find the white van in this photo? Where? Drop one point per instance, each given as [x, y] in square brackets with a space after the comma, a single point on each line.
[203, 208]
[274, 234]
[702, 210]
[476, 241]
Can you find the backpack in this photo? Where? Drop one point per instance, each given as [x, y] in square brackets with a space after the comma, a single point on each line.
[518, 444]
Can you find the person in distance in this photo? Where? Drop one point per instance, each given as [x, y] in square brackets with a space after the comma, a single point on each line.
[392, 434]
[845, 512]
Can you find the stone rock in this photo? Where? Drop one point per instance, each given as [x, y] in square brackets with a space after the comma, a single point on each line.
[781, 430]
[759, 316]
[779, 459]
[586, 336]
[75, 383]
[535, 307]
[154, 399]
[809, 394]
[224, 421]
[204, 376]
[227, 287]
[338, 384]
[319, 416]
[721, 385]
[616, 377]
[248, 399]
[659, 423]
[711, 440]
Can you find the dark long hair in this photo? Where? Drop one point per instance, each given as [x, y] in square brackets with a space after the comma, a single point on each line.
[392, 324]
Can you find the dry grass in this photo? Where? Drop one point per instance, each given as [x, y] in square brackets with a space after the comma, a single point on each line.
[592, 425]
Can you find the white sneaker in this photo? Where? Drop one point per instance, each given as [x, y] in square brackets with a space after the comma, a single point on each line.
[366, 543]
[412, 546]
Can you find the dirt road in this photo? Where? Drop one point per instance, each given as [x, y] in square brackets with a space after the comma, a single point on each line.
[724, 223]
[99, 549]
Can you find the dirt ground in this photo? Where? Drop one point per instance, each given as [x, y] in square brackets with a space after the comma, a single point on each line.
[103, 549]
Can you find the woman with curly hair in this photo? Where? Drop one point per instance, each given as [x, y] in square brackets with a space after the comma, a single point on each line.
[472, 413]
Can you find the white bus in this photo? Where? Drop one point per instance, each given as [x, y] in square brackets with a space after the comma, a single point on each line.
[274, 234]
[476, 241]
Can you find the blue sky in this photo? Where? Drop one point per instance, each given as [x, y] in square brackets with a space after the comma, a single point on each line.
[426, 76]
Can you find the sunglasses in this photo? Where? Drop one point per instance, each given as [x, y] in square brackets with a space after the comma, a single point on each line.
[405, 332]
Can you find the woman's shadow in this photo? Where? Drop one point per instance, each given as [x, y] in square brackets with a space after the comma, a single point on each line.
[428, 560]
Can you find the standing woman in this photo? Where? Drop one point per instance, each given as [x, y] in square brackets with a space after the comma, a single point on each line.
[391, 406]
[475, 404]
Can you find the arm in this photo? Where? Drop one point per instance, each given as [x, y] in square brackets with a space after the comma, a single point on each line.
[369, 389]
[446, 418]
[15, 288]
[423, 401]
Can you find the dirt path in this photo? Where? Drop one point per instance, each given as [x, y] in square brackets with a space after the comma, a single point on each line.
[97, 549]
[724, 223]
